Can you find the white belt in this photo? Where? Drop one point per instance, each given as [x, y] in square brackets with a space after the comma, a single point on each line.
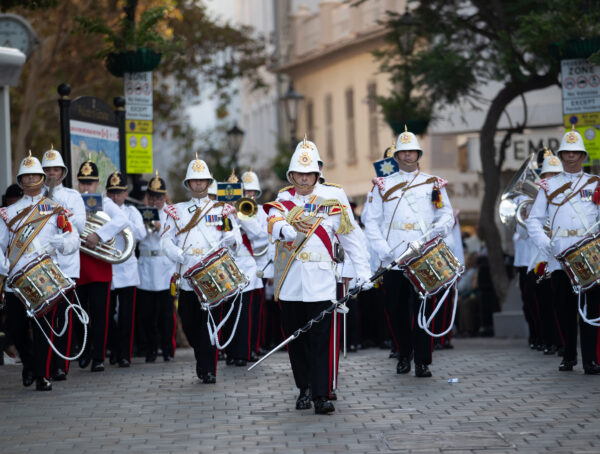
[570, 232]
[405, 226]
[151, 253]
[304, 256]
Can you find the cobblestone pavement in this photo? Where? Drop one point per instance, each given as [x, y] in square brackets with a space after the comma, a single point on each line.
[508, 399]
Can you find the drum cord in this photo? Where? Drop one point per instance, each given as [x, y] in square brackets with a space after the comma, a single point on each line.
[425, 322]
[83, 318]
[583, 311]
[214, 334]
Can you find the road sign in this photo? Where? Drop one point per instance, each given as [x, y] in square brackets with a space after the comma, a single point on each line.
[582, 119]
[580, 87]
[138, 126]
[591, 140]
[138, 112]
[138, 88]
[139, 153]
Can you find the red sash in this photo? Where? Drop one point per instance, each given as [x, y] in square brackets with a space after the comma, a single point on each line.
[246, 242]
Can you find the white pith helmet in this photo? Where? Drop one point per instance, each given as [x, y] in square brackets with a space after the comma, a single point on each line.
[572, 141]
[212, 189]
[250, 182]
[551, 163]
[407, 141]
[197, 170]
[53, 158]
[30, 166]
[304, 160]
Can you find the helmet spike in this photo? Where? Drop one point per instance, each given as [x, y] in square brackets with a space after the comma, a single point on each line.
[405, 128]
[196, 156]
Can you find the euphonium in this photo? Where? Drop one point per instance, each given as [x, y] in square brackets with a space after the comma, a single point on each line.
[106, 251]
[246, 208]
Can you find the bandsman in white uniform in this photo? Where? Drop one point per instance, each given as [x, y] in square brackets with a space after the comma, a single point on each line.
[192, 229]
[155, 308]
[56, 171]
[28, 228]
[304, 220]
[95, 275]
[125, 277]
[406, 206]
[570, 201]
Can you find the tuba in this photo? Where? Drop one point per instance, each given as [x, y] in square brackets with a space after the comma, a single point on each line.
[106, 251]
[523, 183]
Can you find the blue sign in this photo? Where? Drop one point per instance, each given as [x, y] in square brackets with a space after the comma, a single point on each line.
[385, 167]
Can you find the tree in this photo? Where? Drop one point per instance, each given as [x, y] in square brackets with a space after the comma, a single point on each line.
[210, 57]
[465, 44]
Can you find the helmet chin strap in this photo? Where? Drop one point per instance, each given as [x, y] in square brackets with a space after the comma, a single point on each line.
[303, 187]
[35, 185]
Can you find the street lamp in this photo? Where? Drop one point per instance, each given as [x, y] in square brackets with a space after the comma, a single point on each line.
[235, 136]
[292, 102]
[407, 27]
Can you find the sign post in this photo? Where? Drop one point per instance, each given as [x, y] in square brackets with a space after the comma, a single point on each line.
[138, 122]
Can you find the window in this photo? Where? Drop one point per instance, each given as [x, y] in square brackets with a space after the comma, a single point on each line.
[350, 137]
[329, 131]
[374, 153]
[310, 130]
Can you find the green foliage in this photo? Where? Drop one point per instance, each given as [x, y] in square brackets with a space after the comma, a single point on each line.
[6, 5]
[281, 161]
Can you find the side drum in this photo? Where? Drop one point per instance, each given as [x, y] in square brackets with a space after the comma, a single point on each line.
[215, 278]
[430, 267]
[581, 262]
[40, 284]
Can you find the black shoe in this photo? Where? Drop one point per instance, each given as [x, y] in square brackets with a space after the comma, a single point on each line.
[394, 355]
[539, 347]
[550, 350]
[421, 370]
[230, 361]
[303, 401]
[323, 406]
[97, 366]
[448, 346]
[591, 368]
[208, 378]
[27, 377]
[566, 365]
[168, 358]
[124, 362]
[332, 395]
[84, 362]
[151, 358]
[262, 351]
[43, 384]
[240, 362]
[560, 351]
[59, 375]
[403, 366]
[253, 357]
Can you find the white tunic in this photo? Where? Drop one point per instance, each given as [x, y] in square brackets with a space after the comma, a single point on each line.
[72, 200]
[41, 242]
[408, 217]
[126, 274]
[256, 231]
[155, 268]
[570, 221]
[201, 239]
[311, 281]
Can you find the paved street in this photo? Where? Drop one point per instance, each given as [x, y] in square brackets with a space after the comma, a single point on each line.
[508, 399]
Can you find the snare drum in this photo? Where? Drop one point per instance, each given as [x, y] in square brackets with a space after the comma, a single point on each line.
[581, 262]
[430, 267]
[40, 285]
[216, 278]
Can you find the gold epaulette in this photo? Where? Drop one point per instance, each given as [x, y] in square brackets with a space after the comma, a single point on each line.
[335, 185]
[287, 188]
[218, 204]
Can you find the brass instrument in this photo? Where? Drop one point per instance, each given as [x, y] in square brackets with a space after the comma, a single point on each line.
[106, 251]
[523, 183]
[246, 208]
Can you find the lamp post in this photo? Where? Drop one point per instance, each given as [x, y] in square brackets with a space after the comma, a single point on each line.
[292, 101]
[407, 27]
[235, 136]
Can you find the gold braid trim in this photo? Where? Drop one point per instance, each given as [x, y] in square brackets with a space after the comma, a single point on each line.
[427, 181]
[386, 197]
[345, 223]
[196, 218]
[558, 192]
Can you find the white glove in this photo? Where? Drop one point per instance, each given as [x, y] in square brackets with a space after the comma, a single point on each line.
[228, 239]
[180, 258]
[387, 256]
[57, 242]
[288, 233]
[364, 283]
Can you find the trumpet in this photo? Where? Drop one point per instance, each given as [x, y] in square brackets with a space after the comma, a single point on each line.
[246, 208]
[106, 251]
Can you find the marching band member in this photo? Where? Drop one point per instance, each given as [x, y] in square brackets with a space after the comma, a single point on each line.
[95, 276]
[27, 228]
[192, 229]
[212, 191]
[304, 220]
[56, 171]
[570, 200]
[125, 276]
[406, 206]
[156, 308]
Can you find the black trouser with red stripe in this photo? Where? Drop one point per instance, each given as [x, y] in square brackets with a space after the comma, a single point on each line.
[546, 303]
[156, 322]
[62, 343]
[95, 299]
[33, 350]
[568, 314]
[311, 353]
[121, 330]
[402, 306]
[531, 308]
[257, 325]
[193, 322]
